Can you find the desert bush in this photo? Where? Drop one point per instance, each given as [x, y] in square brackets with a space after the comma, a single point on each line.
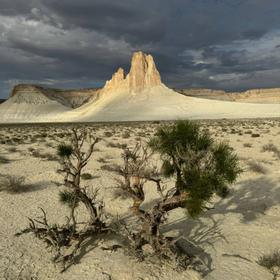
[68, 238]
[4, 160]
[247, 145]
[141, 134]
[110, 167]
[86, 176]
[255, 135]
[271, 148]
[272, 263]
[136, 171]
[50, 157]
[12, 149]
[116, 145]
[13, 184]
[101, 160]
[126, 134]
[257, 167]
[201, 167]
[108, 134]
[46, 156]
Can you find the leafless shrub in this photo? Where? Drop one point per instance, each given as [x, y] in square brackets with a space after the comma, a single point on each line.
[67, 239]
[257, 167]
[271, 148]
[46, 156]
[12, 149]
[110, 167]
[247, 145]
[116, 145]
[14, 184]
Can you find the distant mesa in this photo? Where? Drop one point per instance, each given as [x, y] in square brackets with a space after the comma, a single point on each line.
[263, 96]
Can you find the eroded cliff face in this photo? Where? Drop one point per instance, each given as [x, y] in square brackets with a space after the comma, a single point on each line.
[33, 94]
[265, 96]
[143, 75]
[117, 81]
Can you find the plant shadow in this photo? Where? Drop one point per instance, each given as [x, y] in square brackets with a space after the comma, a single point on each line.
[251, 199]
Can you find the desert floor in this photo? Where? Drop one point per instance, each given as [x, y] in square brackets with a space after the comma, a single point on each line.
[233, 234]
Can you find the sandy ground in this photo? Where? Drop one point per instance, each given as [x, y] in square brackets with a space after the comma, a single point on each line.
[234, 234]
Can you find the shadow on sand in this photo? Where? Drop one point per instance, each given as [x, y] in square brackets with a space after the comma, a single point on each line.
[250, 200]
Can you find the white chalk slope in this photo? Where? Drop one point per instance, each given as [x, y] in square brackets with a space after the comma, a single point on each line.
[157, 103]
[162, 103]
[30, 107]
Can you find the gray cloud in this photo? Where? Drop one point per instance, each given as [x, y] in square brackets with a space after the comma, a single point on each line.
[196, 43]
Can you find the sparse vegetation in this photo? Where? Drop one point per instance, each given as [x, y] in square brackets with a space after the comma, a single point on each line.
[126, 134]
[272, 263]
[257, 167]
[12, 149]
[247, 145]
[4, 160]
[271, 148]
[13, 184]
[67, 239]
[116, 145]
[86, 176]
[255, 135]
[183, 162]
[201, 168]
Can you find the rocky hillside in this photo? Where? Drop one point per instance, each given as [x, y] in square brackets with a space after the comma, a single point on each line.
[33, 94]
[250, 96]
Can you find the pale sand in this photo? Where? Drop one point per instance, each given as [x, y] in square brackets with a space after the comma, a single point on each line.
[234, 234]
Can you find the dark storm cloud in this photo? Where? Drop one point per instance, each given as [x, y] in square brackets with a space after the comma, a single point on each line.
[135, 21]
[196, 43]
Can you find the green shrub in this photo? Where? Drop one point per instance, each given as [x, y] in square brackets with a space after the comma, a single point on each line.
[200, 165]
[64, 150]
[86, 176]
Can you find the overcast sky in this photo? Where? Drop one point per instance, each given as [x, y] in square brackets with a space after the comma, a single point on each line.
[223, 44]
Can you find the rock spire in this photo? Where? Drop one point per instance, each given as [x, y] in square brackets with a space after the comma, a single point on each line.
[143, 75]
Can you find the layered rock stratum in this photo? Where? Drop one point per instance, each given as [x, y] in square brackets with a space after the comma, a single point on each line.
[264, 96]
[136, 96]
[34, 94]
